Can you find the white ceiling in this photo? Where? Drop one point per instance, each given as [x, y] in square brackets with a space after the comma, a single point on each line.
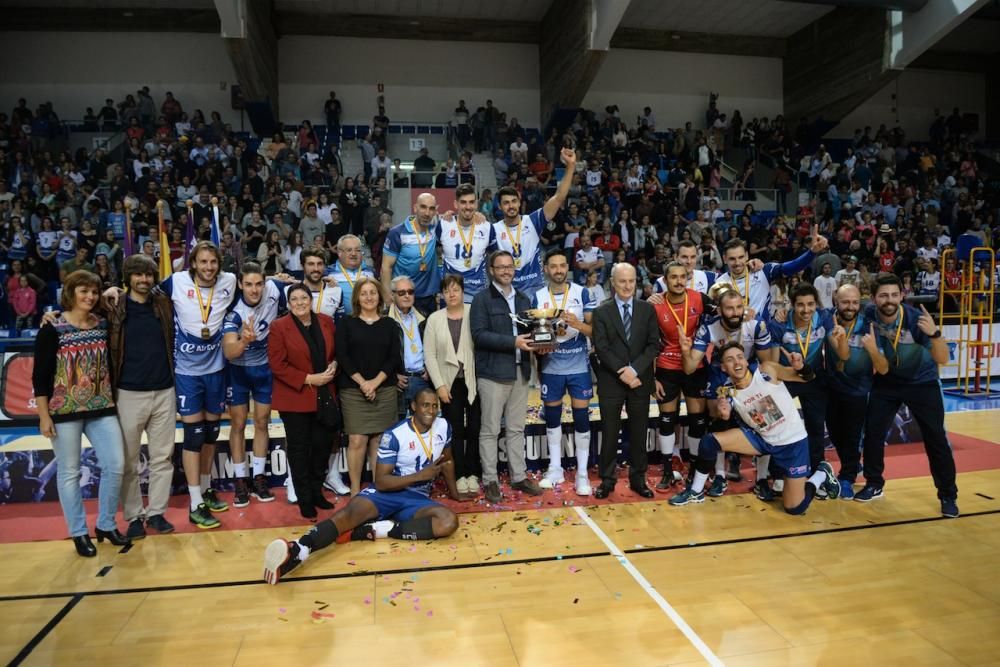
[511, 10]
[765, 18]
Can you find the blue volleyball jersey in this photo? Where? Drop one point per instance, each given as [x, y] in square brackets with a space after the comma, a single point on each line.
[465, 251]
[572, 354]
[401, 448]
[264, 313]
[193, 354]
[416, 256]
[854, 375]
[524, 242]
[811, 338]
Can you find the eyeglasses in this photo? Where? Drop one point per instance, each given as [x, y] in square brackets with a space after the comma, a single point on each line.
[404, 292]
[503, 267]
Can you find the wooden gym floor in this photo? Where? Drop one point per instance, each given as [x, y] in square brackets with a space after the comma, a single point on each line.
[733, 581]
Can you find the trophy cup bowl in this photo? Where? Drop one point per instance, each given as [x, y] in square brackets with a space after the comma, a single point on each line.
[543, 323]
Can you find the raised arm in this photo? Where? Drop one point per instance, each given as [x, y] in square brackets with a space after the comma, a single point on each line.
[557, 200]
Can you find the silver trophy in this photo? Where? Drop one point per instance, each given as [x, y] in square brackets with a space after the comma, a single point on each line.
[544, 324]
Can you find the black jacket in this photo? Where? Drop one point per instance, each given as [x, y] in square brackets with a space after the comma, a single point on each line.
[489, 319]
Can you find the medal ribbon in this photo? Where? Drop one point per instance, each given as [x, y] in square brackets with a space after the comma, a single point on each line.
[205, 308]
[429, 451]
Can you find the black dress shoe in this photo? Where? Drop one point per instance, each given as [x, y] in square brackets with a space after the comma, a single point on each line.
[84, 546]
[603, 491]
[112, 536]
[642, 490]
[307, 510]
[159, 524]
[319, 501]
[136, 530]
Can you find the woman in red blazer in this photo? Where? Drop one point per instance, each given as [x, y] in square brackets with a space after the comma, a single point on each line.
[300, 349]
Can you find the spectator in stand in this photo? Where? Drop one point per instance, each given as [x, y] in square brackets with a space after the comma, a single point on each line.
[332, 109]
[24, 301]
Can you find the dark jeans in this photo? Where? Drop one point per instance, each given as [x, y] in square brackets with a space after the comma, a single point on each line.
[636, 402]
[845, 422]
[927, 407]
[812, 397]
[308, 444]
[464, 420]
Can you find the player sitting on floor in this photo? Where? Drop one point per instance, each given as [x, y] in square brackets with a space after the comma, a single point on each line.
[410, 457]
[769, 423]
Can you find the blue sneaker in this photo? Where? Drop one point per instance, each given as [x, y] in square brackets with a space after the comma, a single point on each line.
[868, 494]
[830, 485]
[949, 508]
[687, 496]
[719, 486]
[846, 490]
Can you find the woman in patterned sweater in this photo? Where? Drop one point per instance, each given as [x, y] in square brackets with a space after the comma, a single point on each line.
[72, 382]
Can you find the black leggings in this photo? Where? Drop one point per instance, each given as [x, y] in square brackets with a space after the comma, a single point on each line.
[308, 444]
[464, 420]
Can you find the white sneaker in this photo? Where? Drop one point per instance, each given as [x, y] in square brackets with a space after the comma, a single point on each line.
[582, 485]
[462, 484]
[551, 480]
[334, 483]
[473, 483]
[292, 498]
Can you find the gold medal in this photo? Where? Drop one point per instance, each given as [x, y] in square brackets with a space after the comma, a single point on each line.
[517, 263]
[423, 267]
[206, 309]
[205, 333]
[413, 348]
[468, 263]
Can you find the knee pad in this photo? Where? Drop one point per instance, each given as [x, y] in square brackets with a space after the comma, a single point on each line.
[708, 449]
[698, 424]
[553, 416]
[684, 421]
[668, 422]
[718, 425]
[194, 437]
[800, 508]
[581, 420]
[212, 432]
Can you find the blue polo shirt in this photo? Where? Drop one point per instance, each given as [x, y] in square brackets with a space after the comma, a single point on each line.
[413, 251]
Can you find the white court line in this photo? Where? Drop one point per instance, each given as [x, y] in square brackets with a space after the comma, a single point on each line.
[671, 613]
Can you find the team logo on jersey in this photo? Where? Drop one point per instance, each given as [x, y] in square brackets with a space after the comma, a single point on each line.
[190, 293]
[452, 233]
[413, 445]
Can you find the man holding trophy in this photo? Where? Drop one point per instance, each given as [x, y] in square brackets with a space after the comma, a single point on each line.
[566, 366]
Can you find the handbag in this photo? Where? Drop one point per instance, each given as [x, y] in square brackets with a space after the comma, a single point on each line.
[328, 409]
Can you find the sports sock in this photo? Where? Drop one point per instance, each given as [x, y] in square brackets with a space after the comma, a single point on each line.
[196, 498]
[817, 478]
[720, 464]
[698, 485]
[582, 445]
[414, 529]
[382, 528]
[553, 437]
[303, 551]
[763, 461]
[240, 469]
[258, 465]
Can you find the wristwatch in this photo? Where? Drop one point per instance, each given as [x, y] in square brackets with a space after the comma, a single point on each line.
[936, 334]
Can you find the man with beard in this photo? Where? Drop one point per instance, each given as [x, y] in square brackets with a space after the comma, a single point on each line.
[679, 313]
[914, 349]
[566, 369]
[849, 381]
[466, 244]
[411, 250]
[730, 324]
[411, 455]
[698, 280]
[769, 423]
[520, 235]
[244, 344]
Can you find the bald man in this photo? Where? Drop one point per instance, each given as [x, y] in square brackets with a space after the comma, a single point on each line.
[411, 250]
[849, 382]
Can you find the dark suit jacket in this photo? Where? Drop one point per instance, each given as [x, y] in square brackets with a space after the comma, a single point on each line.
[291, 361]
[614, 351]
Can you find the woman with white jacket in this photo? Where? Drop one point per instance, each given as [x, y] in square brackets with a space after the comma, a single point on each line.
[451, 365]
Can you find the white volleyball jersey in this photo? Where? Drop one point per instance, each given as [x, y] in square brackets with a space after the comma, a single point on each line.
[264, 313]
[194, 353]
[769, 410]
[328, 299]
[464, 250]
[524, 242]
[401, 447]
[753, 335]
[700, 281]
[571, 356]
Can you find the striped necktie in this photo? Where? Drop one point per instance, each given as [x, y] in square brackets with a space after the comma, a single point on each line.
[627, 320]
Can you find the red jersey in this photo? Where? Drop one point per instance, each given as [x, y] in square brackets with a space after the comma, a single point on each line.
[670, 317]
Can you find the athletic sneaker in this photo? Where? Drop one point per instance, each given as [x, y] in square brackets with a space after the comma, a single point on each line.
[686, 496]
[136, 531]
[365, 531]
[335, 483]
[949, 508]
[763, 491]
[159, 524]
[551, 480]
[719, 486]
[868, 494]
[290, 487]
[241, 497]
[846, 490]
[213, 503]
[202, 517]
[733, 467]
[462, 485]
[583, 485]
[261, 491]
[831, 485]
[280, 558]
